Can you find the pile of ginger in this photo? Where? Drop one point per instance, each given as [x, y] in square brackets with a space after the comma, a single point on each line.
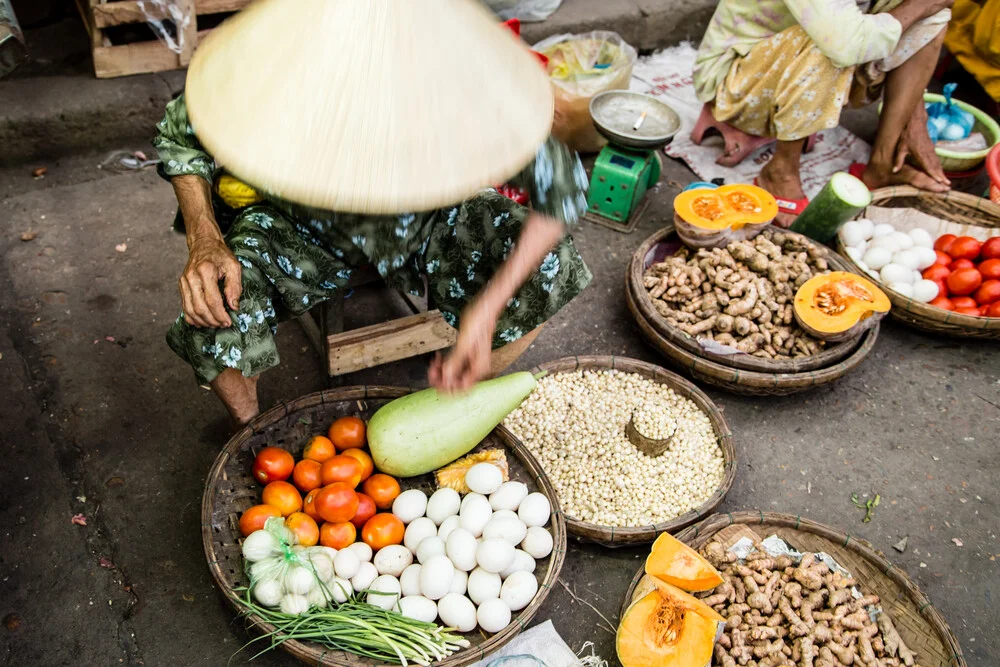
[741, 295]
[781, 614]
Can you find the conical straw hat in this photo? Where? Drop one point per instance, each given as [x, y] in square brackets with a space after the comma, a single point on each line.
[368, 106]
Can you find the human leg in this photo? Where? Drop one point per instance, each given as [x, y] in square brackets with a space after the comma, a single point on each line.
[238, 394]
[781, 176]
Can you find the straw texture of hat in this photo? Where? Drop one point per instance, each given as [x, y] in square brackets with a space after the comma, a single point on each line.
[368, 106]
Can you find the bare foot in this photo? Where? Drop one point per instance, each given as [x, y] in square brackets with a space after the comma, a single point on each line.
[783, 183]
[917, 144]
[879, 176]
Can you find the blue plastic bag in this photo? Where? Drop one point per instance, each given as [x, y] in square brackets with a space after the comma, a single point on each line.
[946, 121]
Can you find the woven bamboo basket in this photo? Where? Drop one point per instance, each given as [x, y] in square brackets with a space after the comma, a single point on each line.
[230, 489]
[665, 243]
[612, 536]
[918, 622]
[956, 207]
[750, 383]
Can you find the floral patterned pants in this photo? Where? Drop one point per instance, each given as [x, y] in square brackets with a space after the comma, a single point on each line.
[289, 264]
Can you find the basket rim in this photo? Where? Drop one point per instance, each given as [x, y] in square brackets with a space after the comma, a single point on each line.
[626, 535]
[979, 115]
[315, 654]
[634, 272]
[744, 378]
[923, 311]
[716, 522]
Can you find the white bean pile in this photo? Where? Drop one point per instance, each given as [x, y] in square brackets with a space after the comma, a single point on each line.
[651, 421]
[574, 423]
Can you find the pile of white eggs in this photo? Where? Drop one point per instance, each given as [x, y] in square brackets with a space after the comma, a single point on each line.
[892, 257]
[466, 561]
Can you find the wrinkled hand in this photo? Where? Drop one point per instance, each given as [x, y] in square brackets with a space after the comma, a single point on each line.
[201, 300]
[469, 361]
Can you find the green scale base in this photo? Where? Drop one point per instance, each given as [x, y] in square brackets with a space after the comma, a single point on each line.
[618, 184]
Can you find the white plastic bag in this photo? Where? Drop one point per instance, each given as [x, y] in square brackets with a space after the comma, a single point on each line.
[527, 11]
[160, 13]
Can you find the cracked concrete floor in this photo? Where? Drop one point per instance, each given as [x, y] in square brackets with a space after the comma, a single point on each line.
[117, 432]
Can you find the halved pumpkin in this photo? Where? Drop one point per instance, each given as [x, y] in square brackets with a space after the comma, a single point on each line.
[666, 627]
[838, 306]
[707, 218]
[676, 563]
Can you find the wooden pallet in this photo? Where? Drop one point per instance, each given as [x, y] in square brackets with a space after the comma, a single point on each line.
[147, 56]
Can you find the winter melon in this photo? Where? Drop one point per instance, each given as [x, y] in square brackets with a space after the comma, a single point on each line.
[841, 199]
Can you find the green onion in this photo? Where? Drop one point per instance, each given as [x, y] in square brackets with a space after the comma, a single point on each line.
[359, 628]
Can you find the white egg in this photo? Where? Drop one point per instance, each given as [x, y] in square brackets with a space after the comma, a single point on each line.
[537, 543]
[518, 590]
[430, 547]
[448, 525]
[511, 530]
[904, 289]
[493, 615]
[362, 551]
[418, 530]
[457, 611]
[855, 255]
[522, 563]
[888, 242]
[459, 582]
[475, 513]
[461, 548]
[906, 258]
[495, 555]
[384, 592]
[418, 608]
[346, 564]
[904, 240]
[367, 573]
[894, 273]
[852, 234]
[917, 277]
[882, 229]
[534, 510]
[508, 496]
[921, 238]
[443, 503]
[873, 274]
[341, 589]
[483, 585]
[393, 559]
[435, 577]
[925, 256]
[507, 514]
[410, 505]
[867, 227]
[876, 258]
[409, 581]
[925, 291]
[484, 478]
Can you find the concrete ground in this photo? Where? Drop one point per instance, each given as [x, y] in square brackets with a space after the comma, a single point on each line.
[101, 420]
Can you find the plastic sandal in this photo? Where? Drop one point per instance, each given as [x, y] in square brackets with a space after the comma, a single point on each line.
[789, 206]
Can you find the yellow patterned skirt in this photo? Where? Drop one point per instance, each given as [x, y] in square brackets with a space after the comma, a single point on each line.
[786, 88]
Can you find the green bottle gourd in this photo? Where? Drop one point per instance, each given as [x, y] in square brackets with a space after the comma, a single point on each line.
[842, 198]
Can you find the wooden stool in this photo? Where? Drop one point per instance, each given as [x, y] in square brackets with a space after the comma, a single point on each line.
[349, 351]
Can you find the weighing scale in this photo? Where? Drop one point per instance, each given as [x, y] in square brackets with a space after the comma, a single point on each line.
[636, 127]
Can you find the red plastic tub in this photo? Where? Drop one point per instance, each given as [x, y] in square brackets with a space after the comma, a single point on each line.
[993, 169]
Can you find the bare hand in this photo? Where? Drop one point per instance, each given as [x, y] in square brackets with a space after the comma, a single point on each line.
[931, 7]
[201, 300]
[469, 361]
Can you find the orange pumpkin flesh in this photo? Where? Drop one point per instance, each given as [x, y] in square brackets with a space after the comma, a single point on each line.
[675, 563]
[730, 206]
[666, 627]
[838, 306]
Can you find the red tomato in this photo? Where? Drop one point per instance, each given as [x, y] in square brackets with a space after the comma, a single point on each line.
[962, 264]
[994, 310]
[382, 489]
[943, 258]
[366, 510]
[973, 312]
[347, 433]
[342, 468]
[942, 289]
[272, 464]
[964, 281]
[991, 249]
[936, 272]
[990, 269]
[988, 292]
[336, 503]
[944, 242]
[964, 302]
[943, 302]
[382, 530]
[984, 311]
[965, 247]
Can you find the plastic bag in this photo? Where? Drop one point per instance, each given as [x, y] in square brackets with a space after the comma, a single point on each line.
[947, 121]
[580, 67]
[529, 11]
[167, 20]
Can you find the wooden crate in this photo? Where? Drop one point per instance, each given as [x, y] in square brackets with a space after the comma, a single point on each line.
[152, 55]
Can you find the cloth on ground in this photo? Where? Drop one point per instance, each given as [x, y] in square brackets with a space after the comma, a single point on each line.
[538, 644]
[667, 75]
